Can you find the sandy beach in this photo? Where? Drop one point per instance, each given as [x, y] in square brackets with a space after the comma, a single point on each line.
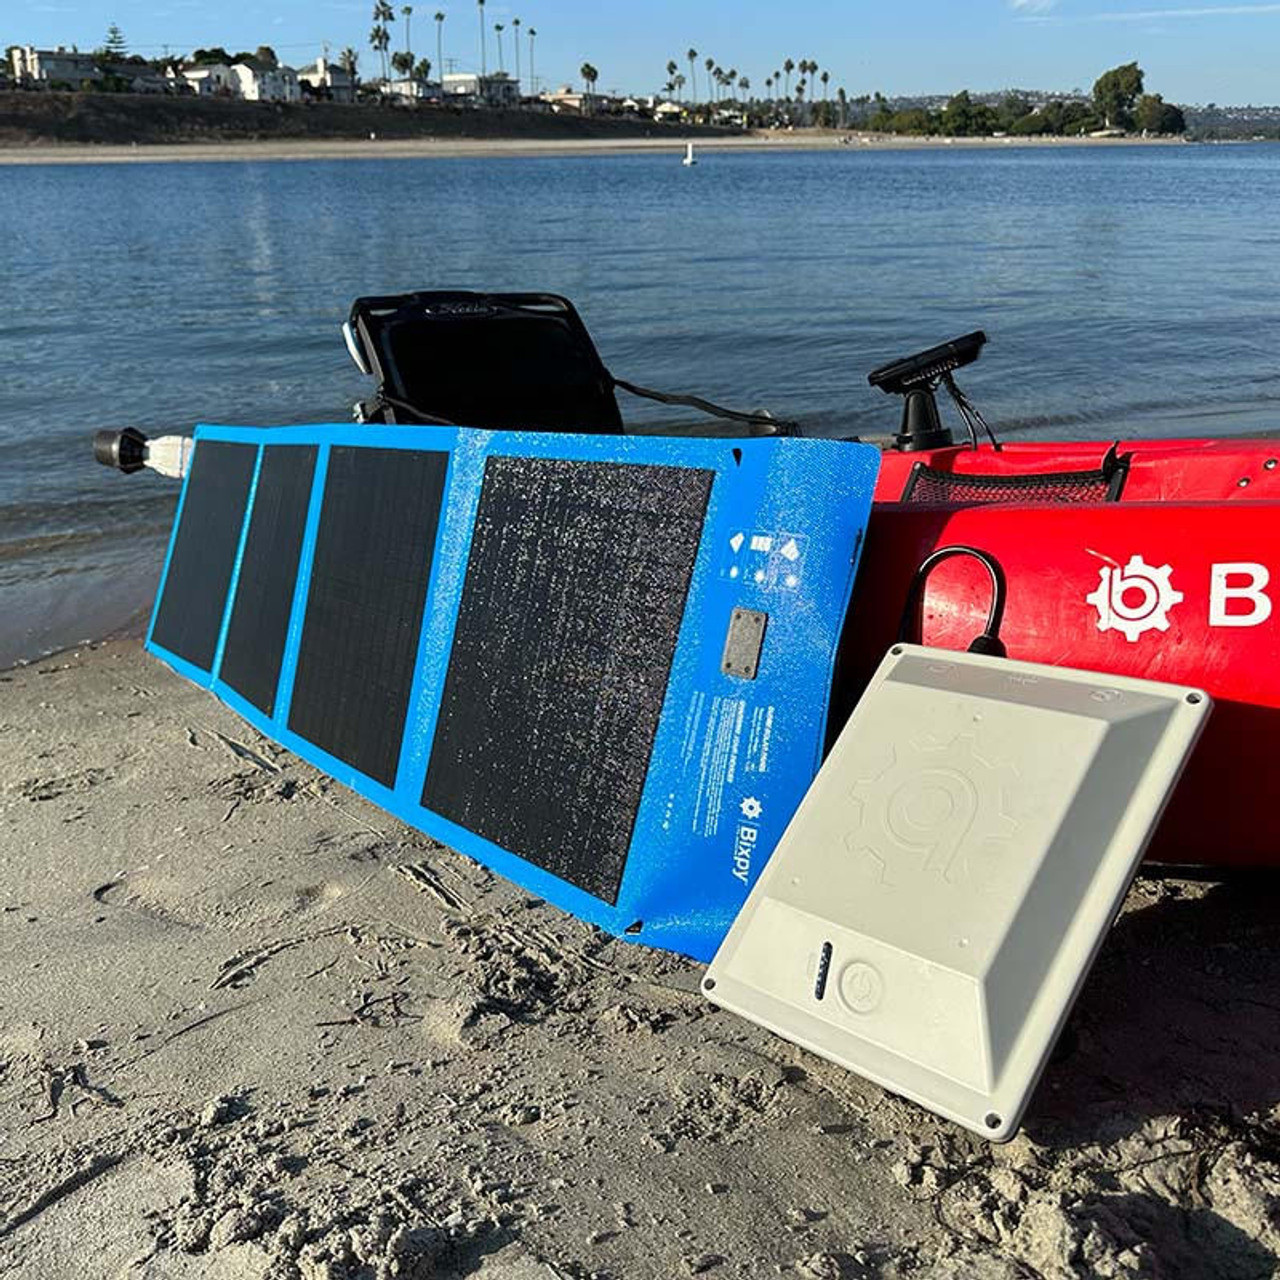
[251, 1028]
[452, 147]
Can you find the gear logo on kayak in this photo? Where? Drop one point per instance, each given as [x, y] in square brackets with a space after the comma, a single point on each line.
[1134, 599]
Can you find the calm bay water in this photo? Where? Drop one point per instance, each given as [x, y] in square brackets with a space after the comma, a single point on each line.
[1126, 291]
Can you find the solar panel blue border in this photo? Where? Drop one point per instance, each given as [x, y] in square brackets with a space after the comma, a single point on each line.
[697, 845]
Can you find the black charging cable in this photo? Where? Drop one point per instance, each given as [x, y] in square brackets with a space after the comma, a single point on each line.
[989, 641]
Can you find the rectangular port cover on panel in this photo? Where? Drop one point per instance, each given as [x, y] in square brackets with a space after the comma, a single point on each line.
[932, 909]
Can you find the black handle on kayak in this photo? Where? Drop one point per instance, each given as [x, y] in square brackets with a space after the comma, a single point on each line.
[989, 641]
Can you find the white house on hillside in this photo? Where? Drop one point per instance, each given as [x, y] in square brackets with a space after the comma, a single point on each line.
[205, 80]
[328, 80]
[567, 101]
[414, 89]
[496, 90]
[52, 66]
[254, 81]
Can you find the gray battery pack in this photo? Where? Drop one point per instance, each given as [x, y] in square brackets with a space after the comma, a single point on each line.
[932, 909]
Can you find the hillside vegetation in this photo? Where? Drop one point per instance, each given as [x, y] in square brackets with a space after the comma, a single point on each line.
[33, 118]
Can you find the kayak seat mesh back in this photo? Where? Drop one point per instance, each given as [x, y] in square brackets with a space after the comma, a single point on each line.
[498, 361]
[927, 484]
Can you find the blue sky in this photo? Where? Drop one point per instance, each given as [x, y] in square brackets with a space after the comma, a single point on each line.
[1201, 51]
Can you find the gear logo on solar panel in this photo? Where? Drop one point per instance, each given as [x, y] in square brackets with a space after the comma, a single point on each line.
[1135, 599]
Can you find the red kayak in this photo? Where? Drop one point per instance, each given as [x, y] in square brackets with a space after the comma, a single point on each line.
[1150, 558]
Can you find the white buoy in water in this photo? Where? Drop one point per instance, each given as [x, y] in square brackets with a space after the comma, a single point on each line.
[689, 157]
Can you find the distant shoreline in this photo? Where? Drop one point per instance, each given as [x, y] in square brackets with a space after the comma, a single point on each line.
[459, 148]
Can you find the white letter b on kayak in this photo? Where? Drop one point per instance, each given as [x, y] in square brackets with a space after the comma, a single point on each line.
[1221, 591]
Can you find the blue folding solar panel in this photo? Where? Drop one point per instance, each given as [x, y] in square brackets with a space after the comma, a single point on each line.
[599, 665]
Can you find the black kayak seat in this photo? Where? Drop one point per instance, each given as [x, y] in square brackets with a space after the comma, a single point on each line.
[500, 361]
[503, 362]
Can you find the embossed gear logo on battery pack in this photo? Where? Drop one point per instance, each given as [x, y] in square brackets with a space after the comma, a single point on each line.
[933, 808]
[1114, 598]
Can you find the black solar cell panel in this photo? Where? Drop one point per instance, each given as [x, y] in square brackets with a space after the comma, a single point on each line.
[574, 595]
[189, 618]
[364, 604]
[264, 593]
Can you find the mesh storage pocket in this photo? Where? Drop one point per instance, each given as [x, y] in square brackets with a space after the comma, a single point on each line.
[926, 484]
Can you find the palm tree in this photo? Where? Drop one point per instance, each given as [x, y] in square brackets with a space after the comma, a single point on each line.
[406, 11]
[710, 64]
[348, 60]
[589, 77]
[533, 80]
[515, 40]
[439, 17]
[692, 55]
[379, 39]
[825, 78]
[672, 67]
[788, 67]
[744, 85]
[480, 6]
[380, 35]
[499, 28]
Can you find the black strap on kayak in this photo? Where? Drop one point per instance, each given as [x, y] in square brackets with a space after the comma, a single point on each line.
[756, 418]
[382, 399]
[760, 418]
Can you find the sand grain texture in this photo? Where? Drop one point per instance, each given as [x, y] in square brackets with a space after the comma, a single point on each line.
[252, 1028]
